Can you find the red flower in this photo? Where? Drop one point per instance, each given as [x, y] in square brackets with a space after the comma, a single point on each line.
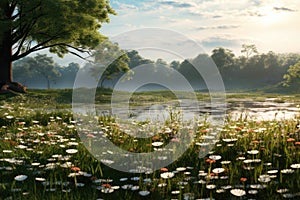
[76, 169]
[106, 185]
[204, 131]
[243, 179]
[210, 161]
[164, 169]
[255, 142]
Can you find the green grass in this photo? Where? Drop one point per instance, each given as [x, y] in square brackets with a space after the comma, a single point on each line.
[61, 98]
[33, 131]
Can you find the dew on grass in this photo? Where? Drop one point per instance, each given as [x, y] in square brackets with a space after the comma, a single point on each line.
[295, 166]
[288, 195]
[135, 178]
[202, 181]
[253, 152]
[210, 186]
[167, 175]
[107, 190]
[224, 177]
[273, 171]
[157, 144]
[123, 179]
[225, 162]
[127, 186]
[228, 140]
[253, 192]
[135, 188]
[202, 173]
[20, 177]
[219, 191]
[238, 192]
[247, 161]
[175, 192]
[264, 178]
[162, 185]
[215, 157]
[241, 158]
[9, 117]
[218, 170]
[257, 186]
[287, 171]
[282, 190]
[40, 179]
[144, 193]
[182, 183]
[71, 151]
[180, 169]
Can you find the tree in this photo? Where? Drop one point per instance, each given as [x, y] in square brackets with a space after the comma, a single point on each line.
[22, 70]
[46, 67]
[160, 61]
[61, 26]
[223, 58]
[249, 49]
[136, 59]
[175, 64]
[109, 61]
[292, 78]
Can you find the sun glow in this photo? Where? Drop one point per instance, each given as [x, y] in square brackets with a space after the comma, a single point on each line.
[271, 16]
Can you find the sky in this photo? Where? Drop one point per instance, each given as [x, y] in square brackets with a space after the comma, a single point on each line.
[269, 24]
[272, 25]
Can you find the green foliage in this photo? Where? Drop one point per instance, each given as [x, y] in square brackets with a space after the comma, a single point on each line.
[109, 61]
[40, 65]
[292, 77]
[62, 26]
[222, 57]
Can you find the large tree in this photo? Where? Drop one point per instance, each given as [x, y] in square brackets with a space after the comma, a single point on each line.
[109, 61]
[62, 26]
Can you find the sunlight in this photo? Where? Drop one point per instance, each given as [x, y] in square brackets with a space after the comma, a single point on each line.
[271, 17]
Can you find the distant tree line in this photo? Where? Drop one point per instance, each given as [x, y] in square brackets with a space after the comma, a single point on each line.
[249, 70]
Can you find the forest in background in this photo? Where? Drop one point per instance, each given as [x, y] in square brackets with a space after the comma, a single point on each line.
[250, 70]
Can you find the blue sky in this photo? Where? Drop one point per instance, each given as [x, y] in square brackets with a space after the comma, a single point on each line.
[270, 24]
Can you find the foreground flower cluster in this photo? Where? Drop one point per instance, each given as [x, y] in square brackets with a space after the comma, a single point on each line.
[42, 157]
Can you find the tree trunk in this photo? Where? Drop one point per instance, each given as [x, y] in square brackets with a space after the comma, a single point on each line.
[5, 58]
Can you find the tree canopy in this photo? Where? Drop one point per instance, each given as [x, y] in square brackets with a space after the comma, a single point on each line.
[58, 25]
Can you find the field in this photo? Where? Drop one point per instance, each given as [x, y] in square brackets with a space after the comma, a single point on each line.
[44, 153]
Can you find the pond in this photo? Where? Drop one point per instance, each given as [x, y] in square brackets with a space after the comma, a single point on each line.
[268, 109]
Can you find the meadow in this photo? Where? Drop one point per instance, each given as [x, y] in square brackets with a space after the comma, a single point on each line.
[42, 155]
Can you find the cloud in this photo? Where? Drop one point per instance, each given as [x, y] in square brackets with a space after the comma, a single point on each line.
[220, 41]
[124, 6]
[216, 16]
[179, 4]
[220, 27]
[284, 9]
[255, 14]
